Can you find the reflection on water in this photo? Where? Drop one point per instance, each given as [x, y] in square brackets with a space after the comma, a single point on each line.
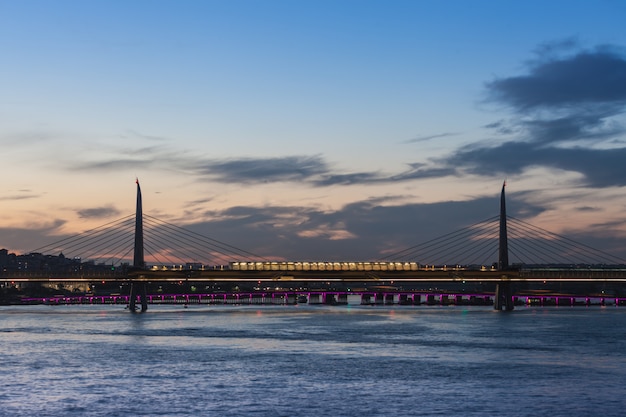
[312, 361]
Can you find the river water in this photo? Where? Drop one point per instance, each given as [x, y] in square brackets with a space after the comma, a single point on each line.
[312, 361]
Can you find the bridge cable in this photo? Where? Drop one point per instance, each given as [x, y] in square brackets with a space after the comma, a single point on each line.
[446, 242]
[82, 235]
[416, 248]
[581, 247]
[537, 248]
[206, 240]
[197, 251]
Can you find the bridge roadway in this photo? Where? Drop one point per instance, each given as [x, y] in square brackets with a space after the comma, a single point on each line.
[441, 274]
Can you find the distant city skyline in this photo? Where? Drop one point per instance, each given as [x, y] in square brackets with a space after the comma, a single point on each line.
[326, 130]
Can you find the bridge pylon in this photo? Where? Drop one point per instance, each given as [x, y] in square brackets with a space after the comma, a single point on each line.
[138, 289]
[504, 291]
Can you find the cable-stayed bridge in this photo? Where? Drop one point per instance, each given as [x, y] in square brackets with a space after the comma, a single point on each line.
[501, 249]
[168, 246]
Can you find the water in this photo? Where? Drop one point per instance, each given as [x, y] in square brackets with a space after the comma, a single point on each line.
[312, 361]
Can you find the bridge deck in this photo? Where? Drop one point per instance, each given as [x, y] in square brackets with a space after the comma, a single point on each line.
[436, 275]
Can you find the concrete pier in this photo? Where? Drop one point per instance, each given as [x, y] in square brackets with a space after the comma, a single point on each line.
[504, 297]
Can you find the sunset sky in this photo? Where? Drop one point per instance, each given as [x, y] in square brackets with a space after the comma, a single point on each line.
[313, 129]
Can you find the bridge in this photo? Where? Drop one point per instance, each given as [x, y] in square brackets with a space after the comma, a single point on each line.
[561, 261]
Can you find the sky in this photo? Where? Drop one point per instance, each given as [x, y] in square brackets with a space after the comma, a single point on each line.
[313, 129]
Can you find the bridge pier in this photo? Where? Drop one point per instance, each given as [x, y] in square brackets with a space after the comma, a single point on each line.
[504, 297]
[137, 294]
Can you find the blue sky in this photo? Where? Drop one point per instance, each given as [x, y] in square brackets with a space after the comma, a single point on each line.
[313, 129]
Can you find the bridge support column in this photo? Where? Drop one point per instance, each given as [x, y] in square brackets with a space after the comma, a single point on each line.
[504, 297]
[138, 290]
[504, 291]
[137, 293]
[342, 298]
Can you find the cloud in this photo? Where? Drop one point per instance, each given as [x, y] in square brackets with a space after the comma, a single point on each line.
[132, 159]
[600, 167]
[133, 134]
[21, 239]
[242, 171]
[595, 77]
[551, 49]
[18, 197]
[567, 114]
[347, 179]
[114, 164]
[98, 212]
[430, 137]
[329, 232]
[590, 209]
[502, 127]
[423, 171]
[18, 140]
[260, 170]
[309, 170]
[577, 99]
[589, 126]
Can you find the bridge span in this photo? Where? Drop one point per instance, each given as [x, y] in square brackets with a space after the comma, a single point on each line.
[466, 286]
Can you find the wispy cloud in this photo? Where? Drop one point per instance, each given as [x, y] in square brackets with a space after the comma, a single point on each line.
[18, 197]
[259, 170]
[430, 137]
[98, 212]
[24, 194]
[133, 134]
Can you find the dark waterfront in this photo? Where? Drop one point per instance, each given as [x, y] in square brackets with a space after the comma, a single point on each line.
[312, 361]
